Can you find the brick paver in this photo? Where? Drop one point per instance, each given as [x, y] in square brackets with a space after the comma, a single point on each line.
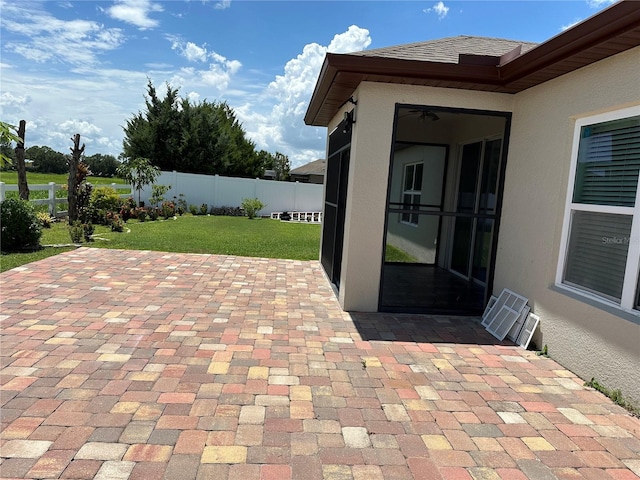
[127, 365]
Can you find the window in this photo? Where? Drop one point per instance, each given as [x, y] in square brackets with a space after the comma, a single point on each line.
[411, 191]
[601, 234]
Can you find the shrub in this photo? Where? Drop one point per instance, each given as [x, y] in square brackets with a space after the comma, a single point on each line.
[204, 208]
[252, 206]
[76, 231]
[157, 193]
[227, 211]
[154, 213]
[102, 201]
[181, 204]
[141, 213]
[168, 209]
[88, 229]
[116, 223]
[20, 228]
[45, 219]
[128, 209]
[193, 210]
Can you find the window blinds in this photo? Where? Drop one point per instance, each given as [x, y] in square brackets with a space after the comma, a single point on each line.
[608, 163]
[598, 247]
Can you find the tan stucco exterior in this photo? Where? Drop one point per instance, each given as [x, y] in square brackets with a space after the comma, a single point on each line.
[586, 339]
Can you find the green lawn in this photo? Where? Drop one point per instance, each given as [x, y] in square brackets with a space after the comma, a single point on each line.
[33, 178]
[13, 260]
[396, 255]
[194, 234]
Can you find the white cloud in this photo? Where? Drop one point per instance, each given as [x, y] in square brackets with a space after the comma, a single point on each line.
[82, 101]
[194, 53]
[600, 3]
[282, 128]
[47, 38]
[135, 12]
[158, 66]
[194, 97]
[189, 50]
[9, 100]
[76, 126]
[573, 24]
[220, 71]
[222, 4]
[439, 9]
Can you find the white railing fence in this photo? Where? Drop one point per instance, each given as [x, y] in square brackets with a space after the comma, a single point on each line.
[52, 188]
[218, 191]
[213, 190]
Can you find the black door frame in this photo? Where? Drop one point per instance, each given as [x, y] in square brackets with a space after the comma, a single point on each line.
[335, 200]
[500, 190]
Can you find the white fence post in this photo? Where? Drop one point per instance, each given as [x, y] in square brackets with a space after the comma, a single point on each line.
[1, 191]
[216, 190]
[52, 198]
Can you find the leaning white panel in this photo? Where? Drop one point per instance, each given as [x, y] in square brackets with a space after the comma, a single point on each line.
[527, 330]
[487, 310]
[505, 313]
[517, 327]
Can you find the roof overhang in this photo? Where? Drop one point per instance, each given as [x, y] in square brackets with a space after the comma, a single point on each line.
[607, 33]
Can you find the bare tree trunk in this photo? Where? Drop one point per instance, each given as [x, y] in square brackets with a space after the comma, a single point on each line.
[23, 188]
[74, 181]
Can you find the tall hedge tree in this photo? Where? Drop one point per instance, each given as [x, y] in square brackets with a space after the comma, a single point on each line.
[204, 137]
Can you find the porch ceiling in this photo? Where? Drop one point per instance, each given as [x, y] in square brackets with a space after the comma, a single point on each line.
[610, 32]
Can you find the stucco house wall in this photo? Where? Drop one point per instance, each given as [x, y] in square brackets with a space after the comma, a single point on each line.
[587, 339]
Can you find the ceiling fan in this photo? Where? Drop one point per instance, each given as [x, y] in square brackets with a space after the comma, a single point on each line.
[424, 115]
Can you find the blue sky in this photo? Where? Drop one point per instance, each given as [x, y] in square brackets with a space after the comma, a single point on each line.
[71, 67]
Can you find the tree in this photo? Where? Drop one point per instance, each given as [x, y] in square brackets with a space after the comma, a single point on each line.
[47, 160]
[281, 166]
[8, 155]
[138, 172]
[23, 188]
[77, 175]
[176, 134]
[8, 134]
[102, 165]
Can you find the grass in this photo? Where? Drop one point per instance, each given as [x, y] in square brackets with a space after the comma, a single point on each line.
[13, 260]
[616, 396]
[33, 178]
[193, 234]
[394, 254]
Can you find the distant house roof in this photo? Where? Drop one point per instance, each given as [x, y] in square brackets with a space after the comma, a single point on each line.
[476, 63]
[317, 167]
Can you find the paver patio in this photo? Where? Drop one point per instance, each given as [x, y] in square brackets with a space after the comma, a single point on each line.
[144, 365]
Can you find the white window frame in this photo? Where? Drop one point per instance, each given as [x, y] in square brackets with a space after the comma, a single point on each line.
[412, 192]
[632, 269]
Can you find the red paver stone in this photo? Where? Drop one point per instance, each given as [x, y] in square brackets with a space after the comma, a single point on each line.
[155, 373]
[275, 472]
[423, 469]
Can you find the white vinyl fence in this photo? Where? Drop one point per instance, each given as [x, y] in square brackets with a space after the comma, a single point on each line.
[217, 191]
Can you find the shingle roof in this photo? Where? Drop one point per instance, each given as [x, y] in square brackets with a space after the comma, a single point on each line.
[447, 50]
[317, 167]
